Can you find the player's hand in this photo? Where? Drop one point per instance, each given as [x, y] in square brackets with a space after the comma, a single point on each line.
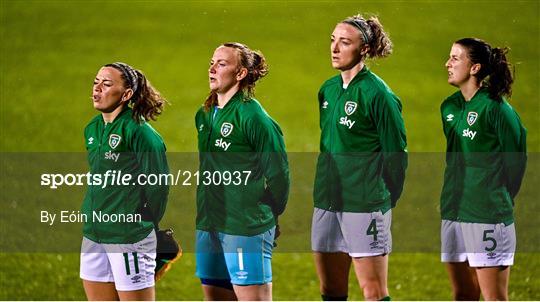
[276, 234]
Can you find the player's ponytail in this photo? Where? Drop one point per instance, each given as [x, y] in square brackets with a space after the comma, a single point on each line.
[495, 72]
[380, 44]
[257, 69]
[146, 102]
[500, 79]
[372, 34]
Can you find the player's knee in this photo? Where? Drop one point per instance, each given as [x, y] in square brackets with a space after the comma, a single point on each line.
[374, 290]
[495, 296]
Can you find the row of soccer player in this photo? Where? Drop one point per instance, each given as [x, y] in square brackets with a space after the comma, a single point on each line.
[359, 178]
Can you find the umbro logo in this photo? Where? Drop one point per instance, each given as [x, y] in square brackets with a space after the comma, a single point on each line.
[242, 275]
[450, 117]
[374, 245]
[325, 105]
[90, 140]
[136, 279]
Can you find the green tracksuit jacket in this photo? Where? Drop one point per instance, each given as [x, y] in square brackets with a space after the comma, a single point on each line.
[486, 159]
[241, 137]
[363, 157]
[131, 148]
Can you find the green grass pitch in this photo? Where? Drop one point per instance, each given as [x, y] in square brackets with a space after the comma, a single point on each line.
[50, 52]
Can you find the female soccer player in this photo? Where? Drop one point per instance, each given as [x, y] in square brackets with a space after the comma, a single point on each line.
[486, 158]
[244, 180]
[119, 245]
[361, 168]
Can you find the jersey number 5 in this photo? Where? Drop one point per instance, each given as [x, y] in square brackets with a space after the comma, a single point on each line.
[486, 238]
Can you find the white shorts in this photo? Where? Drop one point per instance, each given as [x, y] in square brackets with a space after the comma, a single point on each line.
[129, 266]
[358, 234]
[483, 245]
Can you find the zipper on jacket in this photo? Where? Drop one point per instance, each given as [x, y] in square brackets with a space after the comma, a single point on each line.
[213, 117]
[98, 164]
[460, 152]
[334, 120]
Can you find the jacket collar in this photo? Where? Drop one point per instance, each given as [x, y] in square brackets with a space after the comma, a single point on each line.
[124, 114]
[238, 96]
[358, 77]
[481, 92]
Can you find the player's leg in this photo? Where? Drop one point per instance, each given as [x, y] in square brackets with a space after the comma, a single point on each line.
[333, 271]
[464, 282]
[370, 241]
[258, 292]
[145, 294]
[100, 291]
[330, 255]
[493, 282]
[454, 255]
[218, 290]
[212, 269]
[372, 275]
[249, 262]
[95, 272]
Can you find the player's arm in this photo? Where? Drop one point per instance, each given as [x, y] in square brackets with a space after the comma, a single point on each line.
[267, 139]
[512, 138]
[320, 97]
[443, 120]
[150, 152]
[386, 112]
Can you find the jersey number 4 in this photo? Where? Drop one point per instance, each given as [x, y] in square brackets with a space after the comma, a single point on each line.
[372, 229]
